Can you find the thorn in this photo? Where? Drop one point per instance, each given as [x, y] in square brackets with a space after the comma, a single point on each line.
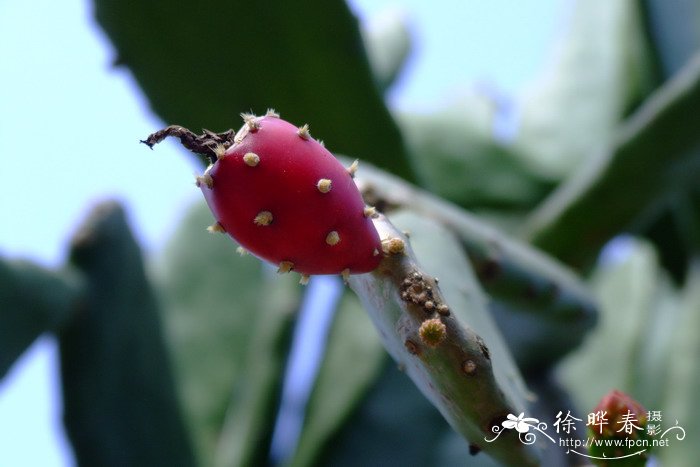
[263, 218]
[370, 212]
[272, 113]
[251, 159]
[285, 266]
[304, 279]
[432, 332]
[303, 132]
[345, 275]
[205, 179]
[319, 141]
[251, 121]
[353, 168]
[324, 185]
[407, 233]
[393, 246]
[219, 151]
[333, 238]
[216, 228]
[375, 252]
[241, 251]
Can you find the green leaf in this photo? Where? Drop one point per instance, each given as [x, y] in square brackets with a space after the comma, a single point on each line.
[120, 403]
[202, 64]
[653, 157]
[34, 300]
[683, 377]
[221, 310]
[247, 429]
[637, 326]
[353, 360]
[597, 73]
[457, 157]
[387, 39]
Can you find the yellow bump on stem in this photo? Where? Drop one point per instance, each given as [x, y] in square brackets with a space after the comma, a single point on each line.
[432, 332]
[345, 274]
[353, 167]
[304, 279]
[443, 309]
[216, 228]
[272, 113]
[263, 218]
[251, 121]
[303, 132]
[393, 246]
[370, 212]
[469, 367]
[241, 251]
[251, 159]
[324, 185]
[285, 266]
[333, 238]
[204, 179]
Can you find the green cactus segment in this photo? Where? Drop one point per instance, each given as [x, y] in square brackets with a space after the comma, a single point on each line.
[681, 400]
[201, 65]
[120, 405]
[541, 306]
[246, 432]
[387, 40]
[220, 310]
[600, 69]
[34, 300]
[653, 158]
[638, 324]
[457, 157]
[353, 360]
[456, 370]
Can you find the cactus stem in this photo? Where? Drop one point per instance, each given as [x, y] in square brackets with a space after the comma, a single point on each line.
[285, 266]
[393, 246]
[412, 347]
[304, 280]
[303, 132]
[353, 167]
[241, 251]
[263, 218]
[333, 238]
[469, 367]
[251, 159]
[432, 332]
[205, 179]
[216, 228]
[345, 275]
[370, 212]
[324, 185]
[272, 113]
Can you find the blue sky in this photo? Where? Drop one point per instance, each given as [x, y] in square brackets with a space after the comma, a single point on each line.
[57, 81]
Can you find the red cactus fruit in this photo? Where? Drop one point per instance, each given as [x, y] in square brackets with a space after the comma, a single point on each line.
[288, 200]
